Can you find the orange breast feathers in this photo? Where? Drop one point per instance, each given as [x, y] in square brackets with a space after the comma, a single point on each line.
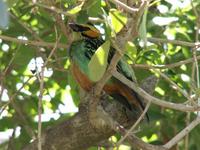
[81, 78]
[112, 88]
[85, 82]
[92, 34]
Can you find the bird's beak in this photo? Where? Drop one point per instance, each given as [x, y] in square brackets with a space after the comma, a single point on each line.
[75, 27]
[85, 30]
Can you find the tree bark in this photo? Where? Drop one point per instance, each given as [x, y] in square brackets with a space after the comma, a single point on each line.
[77, 133]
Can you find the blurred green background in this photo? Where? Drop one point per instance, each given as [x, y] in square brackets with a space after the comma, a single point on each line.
[20, 64]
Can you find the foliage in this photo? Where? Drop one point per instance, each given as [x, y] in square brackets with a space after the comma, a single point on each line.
[20, 81]
[98, 63]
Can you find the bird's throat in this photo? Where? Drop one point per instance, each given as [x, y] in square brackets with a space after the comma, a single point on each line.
[77, 36]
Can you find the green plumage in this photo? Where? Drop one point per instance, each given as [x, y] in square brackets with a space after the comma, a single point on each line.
[78, 55]
[81, 52]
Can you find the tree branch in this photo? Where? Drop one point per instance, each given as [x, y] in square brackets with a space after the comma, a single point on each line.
[183, 133]
[134, 141]
[154, 100]
[77, 132]
[135, 124]
[35, 43]
[167, 66]
[125, 7]
[176, 42]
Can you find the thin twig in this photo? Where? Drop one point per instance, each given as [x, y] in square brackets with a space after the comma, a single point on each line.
[18, 111]
[181, 134]
[194, 67]
[41, 92]
[125, 7]
[137, 142]
[35, 43]
[14, 95]
[176, 42]
[197, 21]
[184, 93]
[11, 61]
[60, 11]
[135, 124]
[186, 140]
[6, 70]
[23, 119]
[167, 66]
[40, 109]
[1, 91]
[25, 26]
[195, 49]
[54, 9]
[171, 82]
[95, 20]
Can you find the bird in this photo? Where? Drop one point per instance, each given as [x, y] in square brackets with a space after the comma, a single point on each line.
[87, 40]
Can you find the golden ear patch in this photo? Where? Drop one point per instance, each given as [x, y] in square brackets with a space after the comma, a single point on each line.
[92, 33]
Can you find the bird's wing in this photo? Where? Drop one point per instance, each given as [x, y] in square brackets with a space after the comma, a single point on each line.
[123, 67]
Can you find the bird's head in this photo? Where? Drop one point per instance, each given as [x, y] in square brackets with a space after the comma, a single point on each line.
[85, 30]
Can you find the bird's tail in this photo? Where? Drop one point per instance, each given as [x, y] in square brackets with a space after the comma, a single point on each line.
[140, 101]
[130, 100]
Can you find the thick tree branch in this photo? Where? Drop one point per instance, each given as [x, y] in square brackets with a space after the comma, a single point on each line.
[154, 100]
[77, 132]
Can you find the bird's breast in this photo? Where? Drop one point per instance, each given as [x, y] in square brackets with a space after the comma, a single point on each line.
[85, 83]
[81, 78]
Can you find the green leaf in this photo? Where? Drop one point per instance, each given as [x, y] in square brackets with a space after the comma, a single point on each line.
[95, 9]
[185, 52]
[131, 49]
[118, 19]
[22, 57]
[75, 10]
[74, 89]
[142, 28]
[98, 63]
[82, 17]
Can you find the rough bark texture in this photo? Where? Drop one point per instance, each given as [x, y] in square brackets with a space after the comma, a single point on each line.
[77, 133]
